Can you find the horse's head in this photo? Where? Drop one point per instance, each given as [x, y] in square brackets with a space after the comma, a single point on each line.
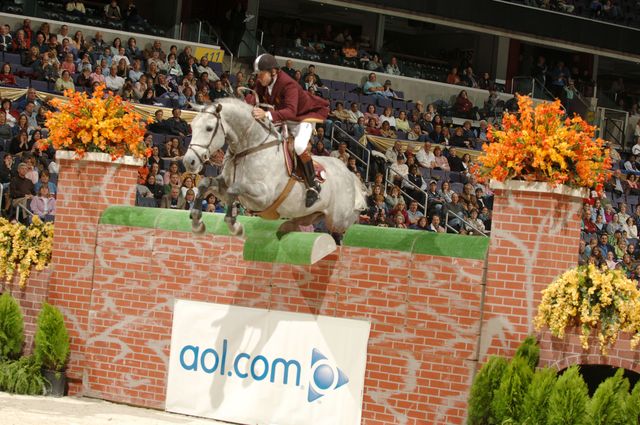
[208, 135]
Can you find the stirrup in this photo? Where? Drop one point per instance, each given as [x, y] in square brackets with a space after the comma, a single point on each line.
[312, 196]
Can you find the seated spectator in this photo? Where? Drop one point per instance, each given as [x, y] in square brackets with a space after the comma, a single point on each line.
[84, 79]
[20, 43]
[435, 225]
[288, 68]
[631, 164]
[399, 221]
[401, 209]
[469, 79]
[204, 67]
[464, 107]
[6, 39]
[64, 82]
[394, 152]
[453, 77]
[425, 157]
[375, 64]
[359, 129]
[112, 11]
[354, 113]
[445, 192]
[402, 124]
[371, 114]
[352, 165]
[6, 134]
[474, 225]
[320, 150]
[311, 70]
[176, 125]
[426, 124]
[386, 131]
[6, 75]
[113, 81]
[211, 204]
[458, 139]
[387, 116]
[156, 189]
[372, 128]
[468, 197]
[218, 91]
[188, 184]
[45, 181]
[173, 149]
[399, 169]
[340, 114]
[44, 205]
[173, 180]
[373, 87]
[440, 161]
[416, 133]
[20, 143]
[341, 153]
[68, 64]
[455, 162]
[486, 82]
[21, 189]
[415, 185]
[173, 200]
[392, 67]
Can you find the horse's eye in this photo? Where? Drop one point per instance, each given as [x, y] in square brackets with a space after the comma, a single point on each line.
[209, 128]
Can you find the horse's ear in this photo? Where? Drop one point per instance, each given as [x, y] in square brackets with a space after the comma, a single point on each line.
[218, 108]
[196, 107]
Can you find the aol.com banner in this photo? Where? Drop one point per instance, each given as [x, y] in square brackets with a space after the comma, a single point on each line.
[259, 367]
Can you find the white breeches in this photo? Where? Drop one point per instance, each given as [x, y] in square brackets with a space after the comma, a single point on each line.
[301, 131]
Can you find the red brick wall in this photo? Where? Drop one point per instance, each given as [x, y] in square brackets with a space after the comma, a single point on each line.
[86, 188]
[425, 315]
[534, 239]
[116, 287]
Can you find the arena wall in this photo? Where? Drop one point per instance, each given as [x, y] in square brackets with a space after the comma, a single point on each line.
[438, 304]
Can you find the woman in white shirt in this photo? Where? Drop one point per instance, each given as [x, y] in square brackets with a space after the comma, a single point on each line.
[630, 227]
[387, 115]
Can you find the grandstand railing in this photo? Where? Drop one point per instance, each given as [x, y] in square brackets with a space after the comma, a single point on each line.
[405, 182]
[363, 156]
[464, 223]
[612, 125]
[530, 86]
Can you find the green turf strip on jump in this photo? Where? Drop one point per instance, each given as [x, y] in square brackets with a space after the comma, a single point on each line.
[263, 243]
[417, 242]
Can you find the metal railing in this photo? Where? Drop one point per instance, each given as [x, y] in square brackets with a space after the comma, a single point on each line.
[464, 222]
[530, 86]
[612, 125]
[405, 181]
[201, 31]
[362, 157]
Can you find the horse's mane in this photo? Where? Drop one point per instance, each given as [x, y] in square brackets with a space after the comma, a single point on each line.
[230, 101]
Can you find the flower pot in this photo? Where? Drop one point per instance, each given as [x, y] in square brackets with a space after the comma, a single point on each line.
[57, 381]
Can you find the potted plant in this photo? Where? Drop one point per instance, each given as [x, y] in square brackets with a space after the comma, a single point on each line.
[52, 348]
[96, 126]
[11, 328]
[541, 144]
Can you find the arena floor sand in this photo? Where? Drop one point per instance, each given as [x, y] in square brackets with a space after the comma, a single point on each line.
[27, 410]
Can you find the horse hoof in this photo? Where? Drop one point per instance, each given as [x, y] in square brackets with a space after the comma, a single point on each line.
[230, 220]
[195, 214]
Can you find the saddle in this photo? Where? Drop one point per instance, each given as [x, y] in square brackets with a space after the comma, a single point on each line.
[294, 168]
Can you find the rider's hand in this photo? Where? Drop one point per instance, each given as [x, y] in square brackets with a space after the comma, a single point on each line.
[258, 113]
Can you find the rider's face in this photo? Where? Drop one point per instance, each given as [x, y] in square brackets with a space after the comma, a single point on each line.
[264, 78]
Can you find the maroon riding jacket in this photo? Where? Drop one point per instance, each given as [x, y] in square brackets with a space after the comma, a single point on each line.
[292, 102]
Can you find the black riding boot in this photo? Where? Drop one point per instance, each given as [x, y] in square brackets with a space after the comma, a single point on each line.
[313, 187]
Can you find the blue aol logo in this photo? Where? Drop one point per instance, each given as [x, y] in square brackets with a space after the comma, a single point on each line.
[325, 377]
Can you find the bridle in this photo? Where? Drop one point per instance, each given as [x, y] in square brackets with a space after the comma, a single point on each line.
[219, 125]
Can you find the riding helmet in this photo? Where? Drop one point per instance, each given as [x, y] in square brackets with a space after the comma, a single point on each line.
[265, 62]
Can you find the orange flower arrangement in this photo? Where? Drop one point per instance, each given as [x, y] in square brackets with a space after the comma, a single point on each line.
[96, 124]
[540, 145]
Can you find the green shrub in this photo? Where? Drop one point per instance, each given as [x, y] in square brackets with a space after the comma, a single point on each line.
[11, 328]
[484, 385]
[22, 377]
[632, 405]
[569, 399]
[607, 406]
[52, 339]
[508, 398]
[536, 401]
[530, 351]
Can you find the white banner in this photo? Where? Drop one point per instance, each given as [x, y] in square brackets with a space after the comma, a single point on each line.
[259, 367]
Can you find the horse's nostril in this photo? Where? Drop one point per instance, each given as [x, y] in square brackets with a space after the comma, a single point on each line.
[193, 162]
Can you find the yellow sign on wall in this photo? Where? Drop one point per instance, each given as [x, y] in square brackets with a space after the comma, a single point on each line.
[214, 55]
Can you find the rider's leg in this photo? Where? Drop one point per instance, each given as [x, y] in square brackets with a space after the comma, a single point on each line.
[303, 133]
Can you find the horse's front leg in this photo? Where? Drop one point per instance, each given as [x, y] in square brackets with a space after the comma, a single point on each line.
[207, 186]
[234, 191]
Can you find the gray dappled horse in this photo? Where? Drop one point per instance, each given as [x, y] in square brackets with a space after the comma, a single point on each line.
[254, 173]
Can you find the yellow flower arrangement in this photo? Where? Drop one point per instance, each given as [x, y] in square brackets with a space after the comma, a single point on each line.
[592, 298]
[539, 144]
[100, 123]
[23, 248]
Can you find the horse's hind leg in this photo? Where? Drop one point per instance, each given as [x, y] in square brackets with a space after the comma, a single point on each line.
[294, 224]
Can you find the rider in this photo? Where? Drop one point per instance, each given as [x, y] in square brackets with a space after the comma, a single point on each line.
[294, 105]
